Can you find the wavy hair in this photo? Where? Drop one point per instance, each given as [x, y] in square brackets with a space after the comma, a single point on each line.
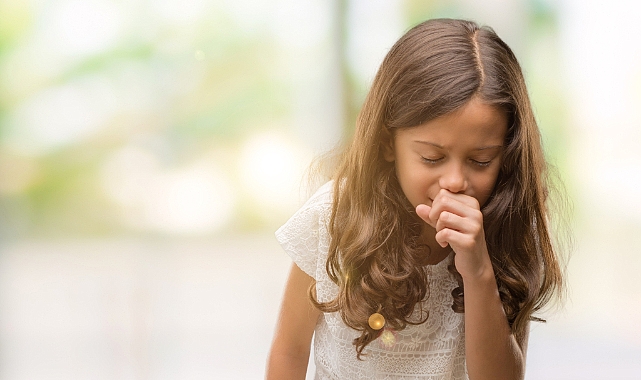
[375, 256]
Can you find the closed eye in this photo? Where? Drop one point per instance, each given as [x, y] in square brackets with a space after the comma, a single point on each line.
[431, 160]
[481, 163]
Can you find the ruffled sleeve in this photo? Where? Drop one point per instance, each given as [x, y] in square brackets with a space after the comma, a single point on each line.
[304, 236]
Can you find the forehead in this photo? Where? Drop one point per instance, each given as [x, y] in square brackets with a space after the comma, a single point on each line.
[472, 126]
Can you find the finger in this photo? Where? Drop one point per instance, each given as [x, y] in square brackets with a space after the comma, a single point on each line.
[452, 221]
[452, 205]
[423, 211]
[442, 236]
[458, 241]
[468, 225]
[463, 198]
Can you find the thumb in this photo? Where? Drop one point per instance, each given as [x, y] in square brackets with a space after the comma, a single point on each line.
[423, 211]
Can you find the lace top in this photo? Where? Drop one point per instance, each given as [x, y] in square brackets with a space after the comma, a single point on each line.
[432, 350]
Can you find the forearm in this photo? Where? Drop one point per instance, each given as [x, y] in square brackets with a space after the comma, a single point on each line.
[289, 353]
[491, 350]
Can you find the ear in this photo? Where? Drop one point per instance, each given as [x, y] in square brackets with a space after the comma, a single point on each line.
[387, 145]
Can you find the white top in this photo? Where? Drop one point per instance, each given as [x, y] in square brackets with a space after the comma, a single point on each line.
[432, 350]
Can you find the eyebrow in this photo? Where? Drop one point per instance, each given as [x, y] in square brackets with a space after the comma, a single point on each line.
[442, 147]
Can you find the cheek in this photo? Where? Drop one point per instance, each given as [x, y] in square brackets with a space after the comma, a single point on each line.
[484, 187]
[415, 181]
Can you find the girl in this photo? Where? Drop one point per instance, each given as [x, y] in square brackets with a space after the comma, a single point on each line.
[429, 252]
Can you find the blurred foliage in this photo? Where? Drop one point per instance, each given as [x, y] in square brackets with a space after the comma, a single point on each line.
[185, 93]
[417, 11]
[211, 86]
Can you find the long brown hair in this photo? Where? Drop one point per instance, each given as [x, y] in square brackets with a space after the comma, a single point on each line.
[375, 256]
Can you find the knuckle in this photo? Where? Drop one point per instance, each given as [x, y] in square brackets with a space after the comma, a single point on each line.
[478, 215]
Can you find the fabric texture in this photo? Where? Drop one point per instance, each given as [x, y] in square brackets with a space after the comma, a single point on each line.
[432, 350]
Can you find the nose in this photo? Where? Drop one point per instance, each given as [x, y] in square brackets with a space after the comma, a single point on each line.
[453, 178]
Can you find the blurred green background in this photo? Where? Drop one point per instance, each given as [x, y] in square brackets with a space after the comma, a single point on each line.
[149, 149]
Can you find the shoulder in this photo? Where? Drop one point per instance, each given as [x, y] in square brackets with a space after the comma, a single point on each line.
[317, 207]
[304, 236]
[322, 197]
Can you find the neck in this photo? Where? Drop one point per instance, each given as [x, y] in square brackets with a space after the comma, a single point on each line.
[436, 252]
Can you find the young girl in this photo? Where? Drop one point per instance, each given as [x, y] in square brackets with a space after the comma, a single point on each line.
[429, 252]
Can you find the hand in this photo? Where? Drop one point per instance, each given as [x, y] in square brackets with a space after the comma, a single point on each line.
[458, 221]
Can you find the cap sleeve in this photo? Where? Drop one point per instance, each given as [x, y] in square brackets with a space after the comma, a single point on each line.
[304, 236]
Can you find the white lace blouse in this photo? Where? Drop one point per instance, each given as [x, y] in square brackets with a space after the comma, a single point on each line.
[432, 350]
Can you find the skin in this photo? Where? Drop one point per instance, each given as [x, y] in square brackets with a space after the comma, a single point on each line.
[450, 164]
[289, 353]
[447, 168]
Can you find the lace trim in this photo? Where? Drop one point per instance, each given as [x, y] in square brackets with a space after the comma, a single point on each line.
[432, 350]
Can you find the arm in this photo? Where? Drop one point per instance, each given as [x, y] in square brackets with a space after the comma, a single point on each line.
[491, 350]
[289, 353]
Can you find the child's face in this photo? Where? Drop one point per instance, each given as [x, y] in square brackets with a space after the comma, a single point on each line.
[460, 152]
